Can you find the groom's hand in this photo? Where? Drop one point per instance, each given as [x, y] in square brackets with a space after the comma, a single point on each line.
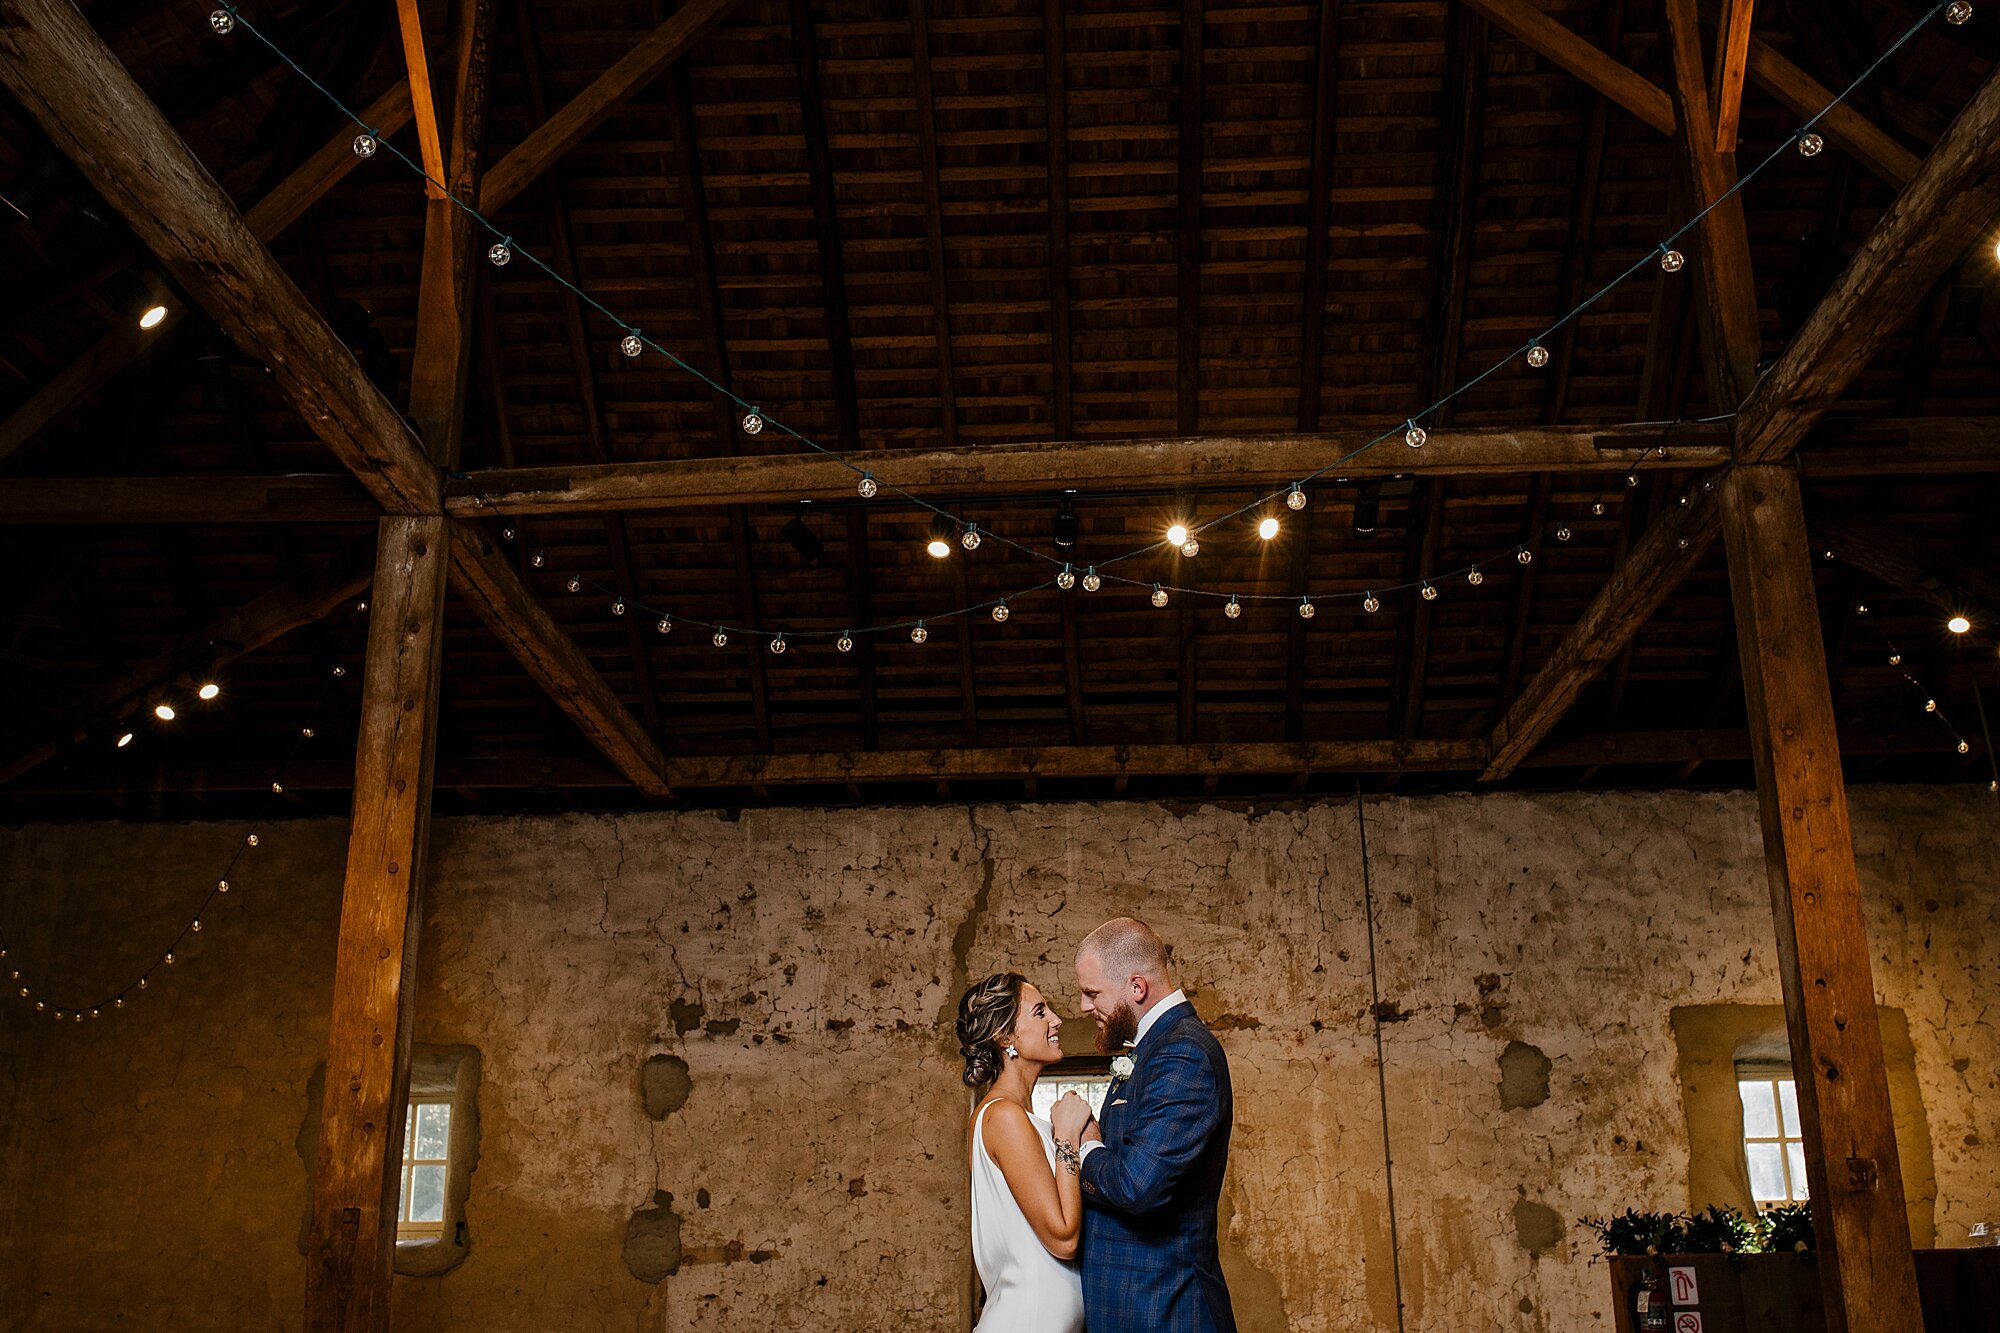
[1092, 1133]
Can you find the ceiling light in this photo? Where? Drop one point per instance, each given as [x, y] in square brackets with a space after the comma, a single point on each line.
[164, 712]
[124, 739]
[1066, 524]
[939, 545]
[1368, 509]
[155, 316]
[209, 690]
[803, 539]
[1958, 624]
[1268, 528]
[1177, 534]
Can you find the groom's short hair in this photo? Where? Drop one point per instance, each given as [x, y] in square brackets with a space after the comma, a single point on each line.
[1127, 947]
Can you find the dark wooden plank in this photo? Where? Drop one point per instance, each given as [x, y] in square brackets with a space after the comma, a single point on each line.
[1583, 227]
[1558, 44]
[1952, 585]
[72, 85]
[1319, 216]
[351, 1234]
[920, 57]
[1187, 229]
[1949, 206]
[1299, 532]
[1842, 126]
[1055, 80]
[1860, 1223]
[1732, 59]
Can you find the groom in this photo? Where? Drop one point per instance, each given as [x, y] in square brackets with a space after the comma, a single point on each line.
[1152, 1170]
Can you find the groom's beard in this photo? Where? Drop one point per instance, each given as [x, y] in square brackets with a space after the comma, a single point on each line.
[1121, 1029]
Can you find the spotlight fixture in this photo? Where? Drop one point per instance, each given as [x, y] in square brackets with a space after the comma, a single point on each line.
[124, 739]
[154, 316]
[1177, 534]
[1958, 624]
[803, 539]
[208, 691]
[1066, 524]
[1367, 509]
[163, 711]
[939, 545]
[1267, 527]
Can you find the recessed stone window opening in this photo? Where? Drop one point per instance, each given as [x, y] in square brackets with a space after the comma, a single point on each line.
[1774, 1150]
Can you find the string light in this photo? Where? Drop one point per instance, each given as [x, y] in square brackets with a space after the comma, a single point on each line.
[538, 560]
[1415, 435]
[1538, 355]
[720, 639]
[632, 344]
[500, 253]
[1562, 534]
[778, 642]
[1000, 612]
[919, 634]
[753, 421]
[1597, 508]
[1295, 498]
[845, 643]
[867, 486]
[1371, 603]
[153, 317]
[665, 625]
[575, 584]
[617, 606]
[1958, 624]
[1474, 577]
[1524, 555]
[223, 22]
[1232, 608]
[507, 533]
[1811, 145]
[1671, 260]
[306, 732]
[1066, 578]
[1430, 592]
[970, 538]
[365, 145]
[1159, 595]
[1190, 548]
[1267, 527]
[339, 671]
[1091, 582]
[1957, 12]
[1306, 610]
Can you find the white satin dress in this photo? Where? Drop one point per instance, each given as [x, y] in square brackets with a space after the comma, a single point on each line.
[1028, 1290]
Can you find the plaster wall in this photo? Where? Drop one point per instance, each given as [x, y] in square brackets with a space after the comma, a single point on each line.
[806, 1170]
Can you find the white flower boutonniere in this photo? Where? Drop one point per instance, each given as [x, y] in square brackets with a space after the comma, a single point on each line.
[1122, 1067]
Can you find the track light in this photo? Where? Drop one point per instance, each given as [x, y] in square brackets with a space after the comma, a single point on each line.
[124, 739]
[803, 539]
[154, 316]
[1066, 525]
[1267, 527]
[208, 691]
[939, 545]
[1177, 534]
[1367, 509]
[1958, 624]
[163, 711]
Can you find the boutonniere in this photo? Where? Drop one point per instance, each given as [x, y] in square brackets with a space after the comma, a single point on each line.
[1122, 1067]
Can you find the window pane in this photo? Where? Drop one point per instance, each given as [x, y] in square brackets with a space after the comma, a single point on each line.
[1767, 1172]
[1760, 1112]
[409, 1128]
[1798, 1155]
[403, 1199]
[433, 1131]
[1788, 1106]
[427, 1194]
[1090, 1087]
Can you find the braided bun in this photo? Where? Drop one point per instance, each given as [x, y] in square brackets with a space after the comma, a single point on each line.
[986, 1014]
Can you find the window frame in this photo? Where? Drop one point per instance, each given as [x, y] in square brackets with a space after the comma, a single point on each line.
[409, 1230]
[1771, 1075]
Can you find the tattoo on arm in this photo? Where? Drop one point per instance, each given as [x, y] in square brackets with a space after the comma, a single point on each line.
[1068, 1157]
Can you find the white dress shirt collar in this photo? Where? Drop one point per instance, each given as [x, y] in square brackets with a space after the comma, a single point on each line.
[1156, 1013]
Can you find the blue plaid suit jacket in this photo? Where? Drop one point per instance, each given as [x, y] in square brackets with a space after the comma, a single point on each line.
[1150, 1263]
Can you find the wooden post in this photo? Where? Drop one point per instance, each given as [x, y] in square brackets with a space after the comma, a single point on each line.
[357, 1169]
[1866, 1270]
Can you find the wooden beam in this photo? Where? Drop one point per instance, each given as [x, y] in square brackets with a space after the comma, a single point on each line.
[1453, 210]
[1535, 521]
[1319, 216]
[1187, 228]
[351, 1236]
[1010, 469]
[1861, 1227]
[1055, 84]
[1583, 228]
[1671, 546]
[926, 115]
[639, 66]
[481, 575]
[1730, 322]
[1952, 585]
[1949, 207]
[263, 621]
[1842, 126]
[441, 366]
[1428, 530]
[71, 84]
[1566, 50]
[1299, 533]
[125, 342]
[423, 98]
[1732, 57]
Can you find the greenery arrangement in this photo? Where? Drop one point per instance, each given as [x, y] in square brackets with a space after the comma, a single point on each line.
[1714, 1230]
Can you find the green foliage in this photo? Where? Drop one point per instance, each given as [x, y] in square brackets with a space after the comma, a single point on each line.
[1782, 1229]
[1721, 1230]
[1787, 1227]
[1636, 1233]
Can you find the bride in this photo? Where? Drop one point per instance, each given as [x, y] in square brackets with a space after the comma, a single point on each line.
[1027, 1204]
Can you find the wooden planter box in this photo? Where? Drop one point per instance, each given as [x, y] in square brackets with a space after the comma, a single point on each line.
[1779, 1293]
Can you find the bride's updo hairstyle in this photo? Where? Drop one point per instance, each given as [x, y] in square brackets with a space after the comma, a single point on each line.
[986, 1014]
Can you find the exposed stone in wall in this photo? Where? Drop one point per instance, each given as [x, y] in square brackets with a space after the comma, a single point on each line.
[797, 964]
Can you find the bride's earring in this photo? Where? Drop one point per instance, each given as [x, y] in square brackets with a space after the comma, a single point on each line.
[1012, 1054]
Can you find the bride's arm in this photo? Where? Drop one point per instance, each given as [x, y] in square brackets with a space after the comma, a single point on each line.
[1051, 1201]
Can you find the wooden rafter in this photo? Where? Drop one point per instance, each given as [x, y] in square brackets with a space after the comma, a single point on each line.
[1187, 227]
[1055, 82]
[1842, 126]
[1732, 59]
[423, 97]
[1583, 227]
[1566, 50]
[926, 117]
[1319, 216]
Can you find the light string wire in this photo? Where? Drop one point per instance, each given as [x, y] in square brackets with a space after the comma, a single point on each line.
[1931, 704]
[23, 989]
[228, 16]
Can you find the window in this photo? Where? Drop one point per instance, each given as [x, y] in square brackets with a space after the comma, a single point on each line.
[426, 1143]
[1088, 1076]
[1773, 1146]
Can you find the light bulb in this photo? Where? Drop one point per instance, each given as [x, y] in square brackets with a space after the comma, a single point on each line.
[1957, 12]
[1682, 543]
[1091, 583]
[720, 639]
[845, 642]
[1811, 145]
[1000, 612]
[142, 983]
[618, 606]
[1958, 624]
[209, 690]
[938, 548]
[1671, 260]
[1930, 705]
[1597, 508]
[1190, 548]
[665, 625]
[1430, 593]
[753, 421]
[223, 22]
[499, 254]
[1895, 659]
[1159, 595]
[1233, 609]
[222, 886]
[278, 788]
[970, 538]
[1538, 355]
[1562, 534]
[537, 560]
[195, 926]
[1371, 603]
[169, 959]
[1965, 747]
[1267, 528]
[250, 841]
[1474, 577]
[1306, 609]
[339, 671]
[1295, 498]
[1176, 534]
[1861, 608]
[154, 316]
[164, 712]
[1415, 436]
[306, 732]
[124, 739]
[118, 1003]
[866, 486]
[631, 344]
[507, 534]
[919, 634]
[575, 584]
[1523, 554]
[778, 644]
[365, 145]
[1066, 579]
[1631, 480]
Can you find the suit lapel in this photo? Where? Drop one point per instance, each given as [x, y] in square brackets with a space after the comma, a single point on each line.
[1126, 1091]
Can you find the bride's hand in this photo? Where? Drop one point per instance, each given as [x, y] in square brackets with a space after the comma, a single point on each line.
[1068, 1117]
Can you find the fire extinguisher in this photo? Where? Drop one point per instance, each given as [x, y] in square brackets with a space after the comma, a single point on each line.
[1651, 1312]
